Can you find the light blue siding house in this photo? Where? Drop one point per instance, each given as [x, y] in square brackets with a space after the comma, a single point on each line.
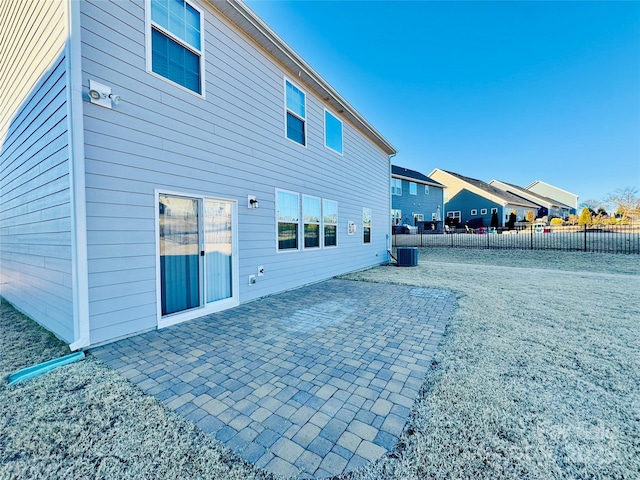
[163, 160]
[416, 199]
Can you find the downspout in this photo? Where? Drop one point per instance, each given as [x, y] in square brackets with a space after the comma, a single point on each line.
[79, 258]
[390, 232]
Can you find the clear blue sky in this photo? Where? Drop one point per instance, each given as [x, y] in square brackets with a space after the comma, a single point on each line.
[516, 91]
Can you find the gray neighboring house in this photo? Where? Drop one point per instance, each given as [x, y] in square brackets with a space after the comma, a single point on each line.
[546, 206]
[165, 160]
[472, 202]
[416, 199]
[547, 190]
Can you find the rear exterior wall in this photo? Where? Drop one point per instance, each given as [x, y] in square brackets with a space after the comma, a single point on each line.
[228, 144]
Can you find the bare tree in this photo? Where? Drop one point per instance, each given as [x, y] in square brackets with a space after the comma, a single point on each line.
[627, 201]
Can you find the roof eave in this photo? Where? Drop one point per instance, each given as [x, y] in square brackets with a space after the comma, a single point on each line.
[243, 17]
[417, 180]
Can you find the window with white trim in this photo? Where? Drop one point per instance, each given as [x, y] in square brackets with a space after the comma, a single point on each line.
[483, 211]
[330, 222]
[413, 188]
[366, 225]
[396, 186]
[474, 212]
[494, 210]
[396, 216]
[176, 43]
[426, 189]
[454, 214]
[332, 132]
[288, 211]
[296, 116]
[311, 213]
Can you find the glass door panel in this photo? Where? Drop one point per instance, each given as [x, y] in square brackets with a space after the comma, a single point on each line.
[179, 254]
[218, 250]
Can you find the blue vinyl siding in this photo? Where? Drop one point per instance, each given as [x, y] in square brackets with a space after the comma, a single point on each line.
[420, 203]
[465, 201]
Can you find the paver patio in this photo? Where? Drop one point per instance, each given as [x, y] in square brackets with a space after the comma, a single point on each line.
[309, 383]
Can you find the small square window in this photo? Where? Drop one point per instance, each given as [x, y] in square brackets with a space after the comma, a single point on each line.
[494, 210]
[474, 212]
[483, 211]
[332, 132]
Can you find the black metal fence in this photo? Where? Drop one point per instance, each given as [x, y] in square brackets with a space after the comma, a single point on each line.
[601, 238]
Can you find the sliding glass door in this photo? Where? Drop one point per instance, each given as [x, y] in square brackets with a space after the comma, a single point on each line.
[218, 250]
[196, 249]
[179, 254]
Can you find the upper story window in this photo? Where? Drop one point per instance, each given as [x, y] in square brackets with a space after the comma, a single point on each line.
[413, 188]
[176, 43]
[332, 132]
[288, 209]
[426, 189]
[396, 186]
[483, 211]
[296, 116]
[474, 211]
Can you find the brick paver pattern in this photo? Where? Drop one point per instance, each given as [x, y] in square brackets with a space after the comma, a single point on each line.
[309, 383]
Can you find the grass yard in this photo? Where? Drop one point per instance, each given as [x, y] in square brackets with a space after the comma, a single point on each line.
[537, 378]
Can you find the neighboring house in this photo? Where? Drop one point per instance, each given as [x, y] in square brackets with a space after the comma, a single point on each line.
[557, 194]
[472, 202]
[415, 198]
[162, 161]
[546, 206]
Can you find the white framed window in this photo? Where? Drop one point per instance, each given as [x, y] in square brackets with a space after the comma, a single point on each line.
[396, 186]
[455, 214]
[418, 217]
[330, 222]
[494, 210]
[396, 216]
[413, 188]
[311, 216]
[426, 189]
[474, 211]
[295, 113]
[175, 45]
[332, 132]
[483, 211]
[366, 225]
[288, 219]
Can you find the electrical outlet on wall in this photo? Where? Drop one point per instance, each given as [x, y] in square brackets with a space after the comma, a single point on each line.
[252, 279]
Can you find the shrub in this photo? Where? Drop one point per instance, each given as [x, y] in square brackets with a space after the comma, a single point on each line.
[585, 217]
[529, 216]
[556, 222]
